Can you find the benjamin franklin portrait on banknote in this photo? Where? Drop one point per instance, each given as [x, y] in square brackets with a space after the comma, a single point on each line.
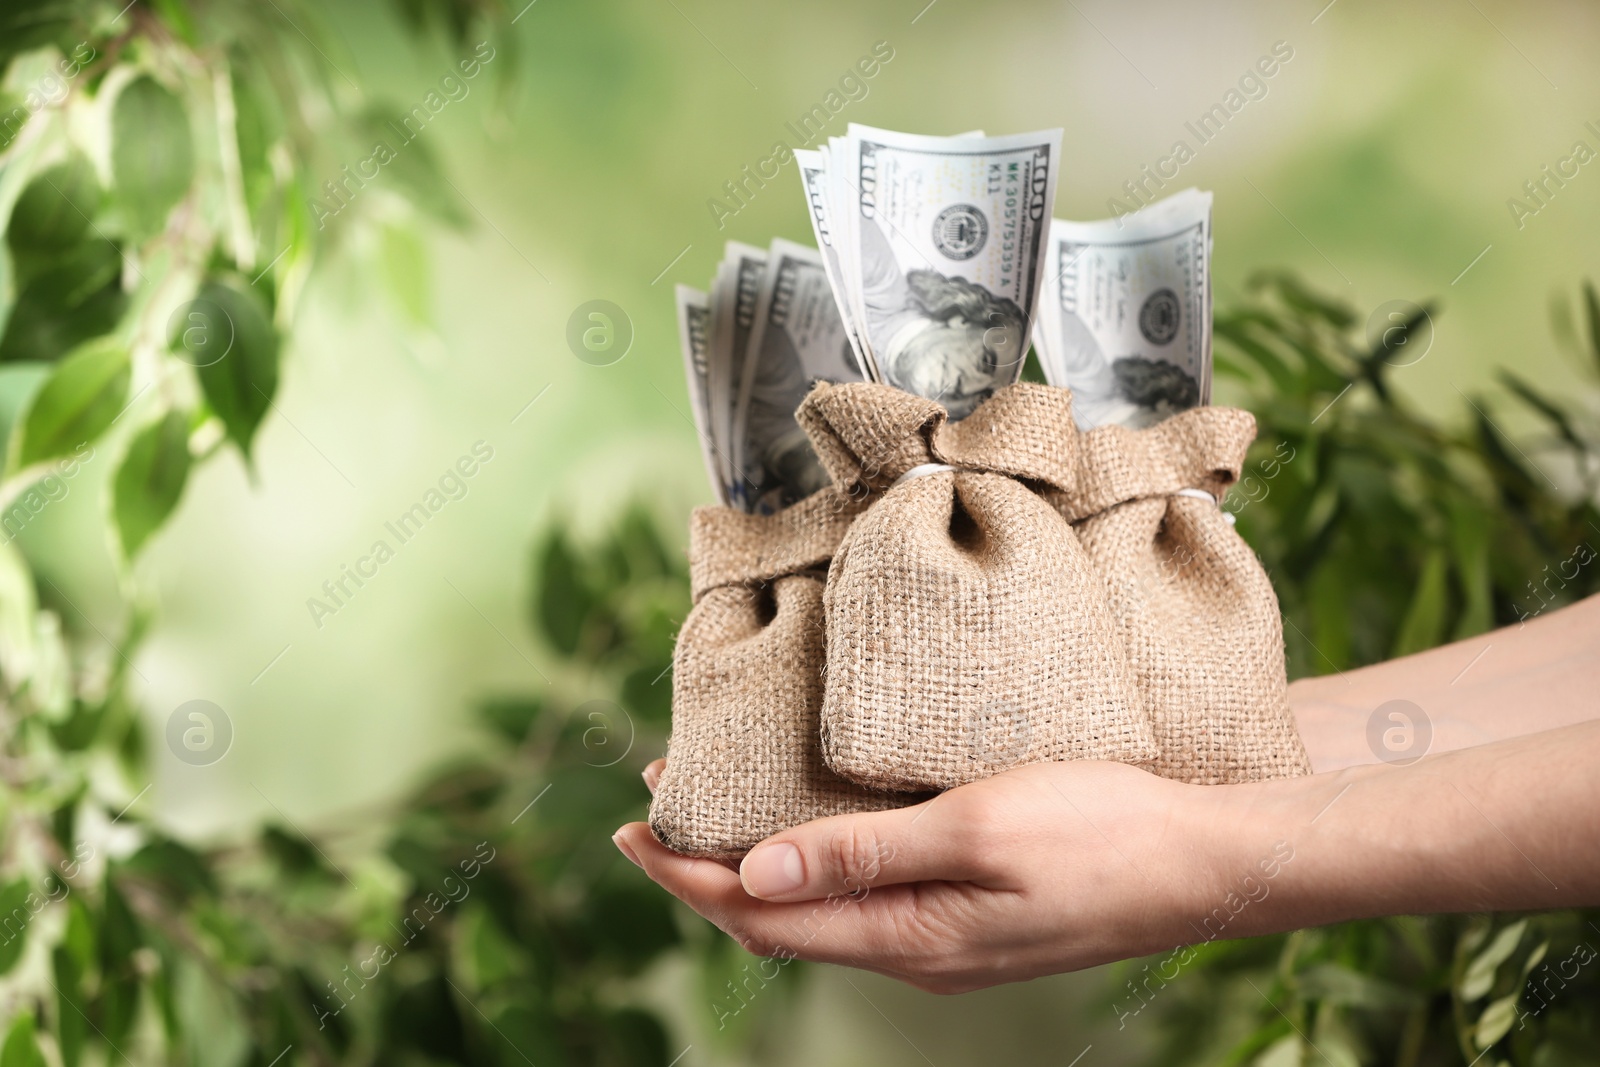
[945, 338]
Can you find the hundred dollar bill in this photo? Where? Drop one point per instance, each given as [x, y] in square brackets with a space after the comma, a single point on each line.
[798, 339]
[733, 307]
[942, 254]
[694, 335]
[813, 166]
[1126, 318]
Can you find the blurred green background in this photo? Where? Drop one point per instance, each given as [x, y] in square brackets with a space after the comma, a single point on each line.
[1390, 143]
[1377, 166]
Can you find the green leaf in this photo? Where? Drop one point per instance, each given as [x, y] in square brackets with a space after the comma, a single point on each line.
[71, 1027]
[63, 282]
[1551, 412]
[1319, 375]
[120, 938]
[1469, 541]
[74, 299]
[18, 383]
[1423, 625]
[26, 26]
[209, 1018]
[647, 689]
[1479, 977]
[1329, 638]
[296, 855]
[1288, 1051]
[1297, 296]
[21, 1049]
[54, 211]
[1337, 984]
[15, 918]
[176, 15]
[120, 935]
[78, 731]
[152, 153]
[1496, 1020]
[1393, 341]
[486, 955]
[78, 938]
[179, 872]
[255, 124]
[1335, 1045]
[238, 385]
[1514, 480]
[150, 480]
[81, 398]
[1277, 368]
[510, 717]
[564, 599]
[1535, 957]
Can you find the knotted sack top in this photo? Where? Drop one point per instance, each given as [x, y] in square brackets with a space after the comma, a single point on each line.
[731, 547]
[1202, 448]
[868, 435]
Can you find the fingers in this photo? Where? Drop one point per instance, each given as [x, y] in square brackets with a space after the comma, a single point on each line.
[879, 931]
[652, 774]
[940, 840]
[706, 881]
[845, 854]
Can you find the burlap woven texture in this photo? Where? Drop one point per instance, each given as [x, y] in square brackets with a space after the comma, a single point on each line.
[967, 630]
[1196, 611]
[1190, 611]
[744, 758]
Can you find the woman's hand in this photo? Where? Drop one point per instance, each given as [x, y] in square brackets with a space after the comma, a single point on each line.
[1060, 866]
[1046, 868]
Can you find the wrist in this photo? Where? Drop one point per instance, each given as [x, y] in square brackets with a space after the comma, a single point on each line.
[1240, 855]
[1384, 839]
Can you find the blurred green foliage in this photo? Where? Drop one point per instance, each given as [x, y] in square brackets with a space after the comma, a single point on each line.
[168, 174]
[156, 163]
[484, 919]
[1387, 533]
[163, 155]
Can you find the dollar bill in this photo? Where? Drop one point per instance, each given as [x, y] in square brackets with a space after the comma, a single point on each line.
[813, 166]
[733, 305]
[942, 247]
[798, 338]
[1126, 320]
[694, 336]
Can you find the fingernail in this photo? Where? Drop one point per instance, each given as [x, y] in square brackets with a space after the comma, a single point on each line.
[622, 846]
[772, 870]
[651, 776]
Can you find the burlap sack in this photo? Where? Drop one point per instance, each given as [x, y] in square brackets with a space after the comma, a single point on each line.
[744, 758]
[967, 631]
[1196, 612]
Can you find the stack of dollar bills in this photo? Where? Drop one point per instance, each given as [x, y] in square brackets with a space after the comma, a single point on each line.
[937, 261]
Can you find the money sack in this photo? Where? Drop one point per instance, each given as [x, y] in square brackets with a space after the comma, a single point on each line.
[744, 757]
[968, 631]
[1194, 608]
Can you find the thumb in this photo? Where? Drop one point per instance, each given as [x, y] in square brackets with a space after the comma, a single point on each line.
[850, 854]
